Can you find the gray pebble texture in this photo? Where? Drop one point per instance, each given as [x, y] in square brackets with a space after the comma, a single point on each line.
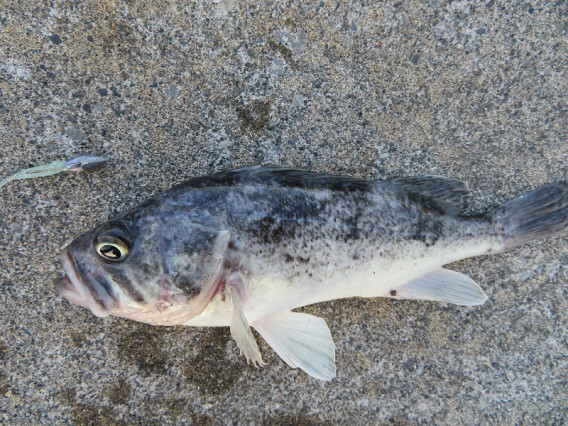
[172, 89]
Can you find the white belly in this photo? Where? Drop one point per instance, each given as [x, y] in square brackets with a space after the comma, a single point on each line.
[269, 293]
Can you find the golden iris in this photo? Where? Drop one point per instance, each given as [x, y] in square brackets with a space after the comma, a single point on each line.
[113, 245]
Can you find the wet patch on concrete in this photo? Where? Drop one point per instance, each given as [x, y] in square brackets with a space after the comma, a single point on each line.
[3, 350]
[76, 338]
[143, 349]
[285, 52]
[120, 393]
[91, 414]
[254, 116]
[4, 385]
[85, 413]
[300, 419]
[180, 409]
[210, 371]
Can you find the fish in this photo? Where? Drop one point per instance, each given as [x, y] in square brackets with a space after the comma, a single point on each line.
[244, 248]
[76, 164]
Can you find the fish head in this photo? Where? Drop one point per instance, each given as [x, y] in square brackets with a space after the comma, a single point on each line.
[157, 268]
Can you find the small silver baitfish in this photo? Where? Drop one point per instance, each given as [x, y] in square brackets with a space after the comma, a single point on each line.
[76, 164]
[244, 248]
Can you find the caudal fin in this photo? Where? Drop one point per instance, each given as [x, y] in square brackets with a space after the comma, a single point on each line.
[533, 216]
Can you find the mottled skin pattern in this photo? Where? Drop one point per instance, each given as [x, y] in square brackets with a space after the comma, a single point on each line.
[296, 237]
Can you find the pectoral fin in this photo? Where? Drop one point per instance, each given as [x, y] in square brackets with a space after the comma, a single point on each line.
[240, 330]
[302, 341]
[443, 285]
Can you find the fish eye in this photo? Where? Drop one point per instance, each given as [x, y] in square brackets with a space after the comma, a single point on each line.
[113, 244]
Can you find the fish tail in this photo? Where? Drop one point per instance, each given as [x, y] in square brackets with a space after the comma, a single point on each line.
[536, 215]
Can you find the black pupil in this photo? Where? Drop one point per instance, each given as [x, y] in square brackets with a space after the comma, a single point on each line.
[110, 251]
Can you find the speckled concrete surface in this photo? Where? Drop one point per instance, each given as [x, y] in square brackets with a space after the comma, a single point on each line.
[174, 89]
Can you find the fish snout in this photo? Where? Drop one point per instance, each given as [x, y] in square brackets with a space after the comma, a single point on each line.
[84, 288]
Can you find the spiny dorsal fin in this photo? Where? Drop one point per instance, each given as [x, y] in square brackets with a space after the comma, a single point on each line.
[281, 176]
[446, 194]
[449, 195]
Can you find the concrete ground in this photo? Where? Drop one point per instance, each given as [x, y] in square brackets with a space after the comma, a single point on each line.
[175, 89]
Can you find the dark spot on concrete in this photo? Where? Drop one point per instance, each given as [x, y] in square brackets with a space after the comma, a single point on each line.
[299, 419]
[210, 371]
[415, 58]
[76, 134]
[254, 116]
[66, 396]
[288, 258]
[182, 409]
[303, 259]
[4, 385]
[76, 338]
[115, 34]
[103, 92]
[411, 364]
[480, 31]
[55, 39]
[178, 406]
[142, 348]
[91, 415]
[119, 394]
[86, 414]
[285, 52]
[398, 421]
[393, 293]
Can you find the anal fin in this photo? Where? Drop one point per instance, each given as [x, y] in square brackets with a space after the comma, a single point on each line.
[443, 285]
[302, 341]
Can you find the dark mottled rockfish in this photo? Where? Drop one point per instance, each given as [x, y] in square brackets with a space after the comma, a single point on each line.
[245, 247]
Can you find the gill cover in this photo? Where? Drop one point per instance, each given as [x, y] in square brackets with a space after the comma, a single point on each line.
[193, 266]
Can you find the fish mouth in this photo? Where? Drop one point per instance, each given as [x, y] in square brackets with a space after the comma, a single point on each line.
[89, 291]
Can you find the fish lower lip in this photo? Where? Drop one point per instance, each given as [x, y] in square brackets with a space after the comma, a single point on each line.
[66, 289]
[74, 289]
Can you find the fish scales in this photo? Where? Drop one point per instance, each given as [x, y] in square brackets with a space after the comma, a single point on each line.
[244, 248]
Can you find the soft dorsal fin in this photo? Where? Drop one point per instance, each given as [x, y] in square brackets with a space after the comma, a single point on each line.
[302, 341]
[447, 194]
